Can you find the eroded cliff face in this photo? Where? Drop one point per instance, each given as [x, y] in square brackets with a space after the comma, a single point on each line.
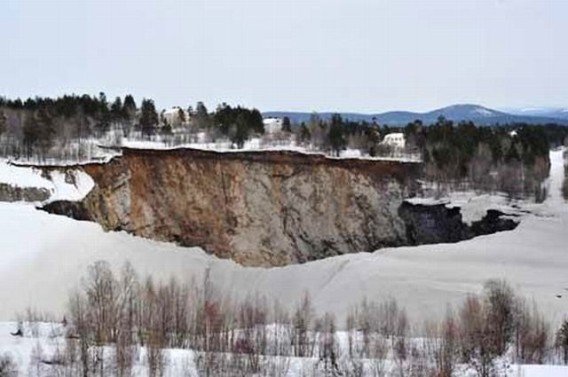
[262, 209]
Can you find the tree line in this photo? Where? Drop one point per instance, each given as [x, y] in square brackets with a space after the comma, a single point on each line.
[112, 316]
[512, 158]
[38, 126]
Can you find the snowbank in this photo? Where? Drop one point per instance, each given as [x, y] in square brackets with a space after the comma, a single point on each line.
[258, 145]
[62, 184]
[21, 177]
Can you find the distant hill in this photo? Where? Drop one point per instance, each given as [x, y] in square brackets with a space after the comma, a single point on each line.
[549, 112]
[475, 113]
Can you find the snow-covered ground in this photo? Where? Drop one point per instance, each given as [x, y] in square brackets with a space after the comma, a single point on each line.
[44, 256]
[43, 343]
[75, 187]
[260, 145]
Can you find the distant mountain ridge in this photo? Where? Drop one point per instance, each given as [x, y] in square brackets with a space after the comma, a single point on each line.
[549, 112]
[478, 114]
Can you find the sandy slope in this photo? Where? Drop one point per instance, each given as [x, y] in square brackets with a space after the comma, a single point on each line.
[44, 257]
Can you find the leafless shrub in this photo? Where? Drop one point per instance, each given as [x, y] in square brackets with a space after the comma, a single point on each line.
[81, 331]
[302, 340]
[35, 367]
[500, 306]
[487, 326]
[327, 346]
[562, 341]
[350, 367]
[441, 346]
[155, 355]
[113, 317]
[101, 289]
[125, 348]
[400, 339]
[8, 367]
[252, 338]
[531, 334]
[277, 366]
[281, 333]
[378, 353]
[477, 348]
[388, 314]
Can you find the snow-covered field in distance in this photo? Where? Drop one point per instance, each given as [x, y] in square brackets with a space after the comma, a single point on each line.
[44, 257]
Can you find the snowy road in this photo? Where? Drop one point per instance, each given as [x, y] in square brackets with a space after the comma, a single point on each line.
[44, 256]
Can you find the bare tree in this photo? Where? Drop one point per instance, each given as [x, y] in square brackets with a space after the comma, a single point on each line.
[562, 340]
[82, 330]
[500, 305]
[8, 367]
[441, 345]
[327, 344]
[101, 290]
[302, 339]
[531, 334]
[477, 346]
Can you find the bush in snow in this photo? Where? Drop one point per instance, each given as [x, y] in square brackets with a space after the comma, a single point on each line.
[8, 367]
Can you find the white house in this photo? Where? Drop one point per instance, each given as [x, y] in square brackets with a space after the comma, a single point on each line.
[172, 116]
[272, 125]
[395, 140]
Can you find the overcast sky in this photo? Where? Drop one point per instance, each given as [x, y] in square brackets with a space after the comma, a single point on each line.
[342, 55]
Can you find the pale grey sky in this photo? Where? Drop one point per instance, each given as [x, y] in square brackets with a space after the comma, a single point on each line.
[343, 55]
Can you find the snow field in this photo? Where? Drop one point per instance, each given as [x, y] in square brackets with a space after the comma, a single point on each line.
[74, 185]
[46, 255]
[44, 342]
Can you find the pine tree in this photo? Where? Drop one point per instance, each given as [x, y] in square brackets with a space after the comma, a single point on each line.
[286, 125]
[336, 137]
[3, 122]
[148, 118]
[116, 111]
[38, 131]
[129, 108]
[103, 114]
[241, 130]
[202, 118]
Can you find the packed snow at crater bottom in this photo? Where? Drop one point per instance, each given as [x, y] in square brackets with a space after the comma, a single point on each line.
[45, 256]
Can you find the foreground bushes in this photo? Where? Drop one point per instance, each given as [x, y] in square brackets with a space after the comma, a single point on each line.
[112, 321]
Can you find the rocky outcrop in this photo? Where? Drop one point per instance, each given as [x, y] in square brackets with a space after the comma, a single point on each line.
[438, 223]
[268, 209]
[427, 224]
[10, 193]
